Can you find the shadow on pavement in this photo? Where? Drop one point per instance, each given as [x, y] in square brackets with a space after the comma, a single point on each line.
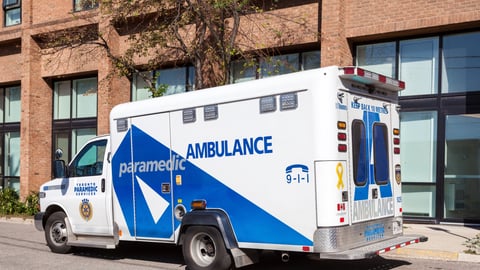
[161, 253]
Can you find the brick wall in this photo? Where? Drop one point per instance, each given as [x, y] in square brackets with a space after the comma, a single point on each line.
[341, 24]
[36, 121]
[371, 19]
[334, 46]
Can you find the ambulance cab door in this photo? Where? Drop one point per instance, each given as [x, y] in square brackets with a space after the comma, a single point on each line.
[90, 210]
[370, 131]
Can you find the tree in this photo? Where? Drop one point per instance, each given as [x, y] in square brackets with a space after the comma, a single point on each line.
[207, 34]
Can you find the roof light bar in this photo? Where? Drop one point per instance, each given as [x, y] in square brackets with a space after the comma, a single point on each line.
[371, 78]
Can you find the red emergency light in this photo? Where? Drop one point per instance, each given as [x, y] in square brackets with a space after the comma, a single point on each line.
[371, 78]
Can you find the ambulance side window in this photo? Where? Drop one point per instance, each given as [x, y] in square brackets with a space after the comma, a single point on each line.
[380, 148]
[360, 162]
[89, 161]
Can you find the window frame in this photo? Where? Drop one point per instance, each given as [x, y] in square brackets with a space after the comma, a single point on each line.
[259, 67]
[78, 6]
[68, 127]
[359, 140]
[376, 156]
[99, 146]
[9, 7]
[139, 87]
[73, 109]
[8, 127]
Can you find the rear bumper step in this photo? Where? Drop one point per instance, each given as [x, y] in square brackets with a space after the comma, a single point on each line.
[375, 249]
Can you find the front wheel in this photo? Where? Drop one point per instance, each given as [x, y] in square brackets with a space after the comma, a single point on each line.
[204, 249]
[56, 233]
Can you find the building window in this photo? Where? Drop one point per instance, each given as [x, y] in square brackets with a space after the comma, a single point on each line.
[461, 63]
[279, 64]
[75, 99]
[419, 162]
[245, 70]
[140, 87]
[242, 71]
[10, 112]
[418, 66]
[80, 5]
[175, 80]
[462, 170]
[13, 12]
[378, 57]
[74, 114]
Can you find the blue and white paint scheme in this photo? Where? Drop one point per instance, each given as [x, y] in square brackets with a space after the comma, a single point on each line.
[304, 162]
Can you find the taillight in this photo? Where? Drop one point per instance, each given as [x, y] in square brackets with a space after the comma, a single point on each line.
[342, 136]
[396, 141]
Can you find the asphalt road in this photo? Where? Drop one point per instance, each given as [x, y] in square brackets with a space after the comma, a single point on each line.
[22, 247]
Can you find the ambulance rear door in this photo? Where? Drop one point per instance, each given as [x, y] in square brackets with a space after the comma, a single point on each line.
[370, 131]
[373, 137]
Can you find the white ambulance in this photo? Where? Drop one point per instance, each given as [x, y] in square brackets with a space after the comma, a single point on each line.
[307, 162]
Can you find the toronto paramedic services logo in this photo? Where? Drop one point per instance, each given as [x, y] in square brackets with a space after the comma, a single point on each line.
[86, 210]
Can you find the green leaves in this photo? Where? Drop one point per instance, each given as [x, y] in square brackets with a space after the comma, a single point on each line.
[11, 205]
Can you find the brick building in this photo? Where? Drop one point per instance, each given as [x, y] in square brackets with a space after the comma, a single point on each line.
[50, 101]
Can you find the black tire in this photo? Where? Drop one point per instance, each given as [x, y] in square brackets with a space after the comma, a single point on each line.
[204, 249]
[56, 233]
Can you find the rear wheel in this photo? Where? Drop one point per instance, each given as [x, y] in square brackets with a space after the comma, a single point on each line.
[204, 249]
[56, 233]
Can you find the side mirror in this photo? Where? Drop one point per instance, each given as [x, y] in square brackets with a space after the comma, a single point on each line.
[59, 169]
[58, 153]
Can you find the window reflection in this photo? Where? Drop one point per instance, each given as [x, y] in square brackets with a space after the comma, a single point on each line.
[462, 166]
[418, 162]
[419, 66]
[461, 63]
[379, 57]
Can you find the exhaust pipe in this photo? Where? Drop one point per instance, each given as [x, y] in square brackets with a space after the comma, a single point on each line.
[285, 257]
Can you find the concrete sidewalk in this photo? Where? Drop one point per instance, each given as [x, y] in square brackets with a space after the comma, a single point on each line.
[445, 242]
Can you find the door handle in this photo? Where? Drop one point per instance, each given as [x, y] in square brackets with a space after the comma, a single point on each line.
[103, 185]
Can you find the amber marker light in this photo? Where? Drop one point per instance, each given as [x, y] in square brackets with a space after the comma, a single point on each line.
[199, 204]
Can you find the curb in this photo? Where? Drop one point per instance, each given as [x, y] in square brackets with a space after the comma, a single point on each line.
[433, 254]
[17, 220]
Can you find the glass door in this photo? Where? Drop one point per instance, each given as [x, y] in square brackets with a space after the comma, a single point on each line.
[462, 166]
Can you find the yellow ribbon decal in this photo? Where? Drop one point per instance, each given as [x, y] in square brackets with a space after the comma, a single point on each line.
[339, 169]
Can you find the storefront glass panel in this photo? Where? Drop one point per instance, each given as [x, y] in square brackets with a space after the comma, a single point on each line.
[462, 166]
[419, 159]
[418, 200]
[419, 66]
[461, 63]
[418, 143]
